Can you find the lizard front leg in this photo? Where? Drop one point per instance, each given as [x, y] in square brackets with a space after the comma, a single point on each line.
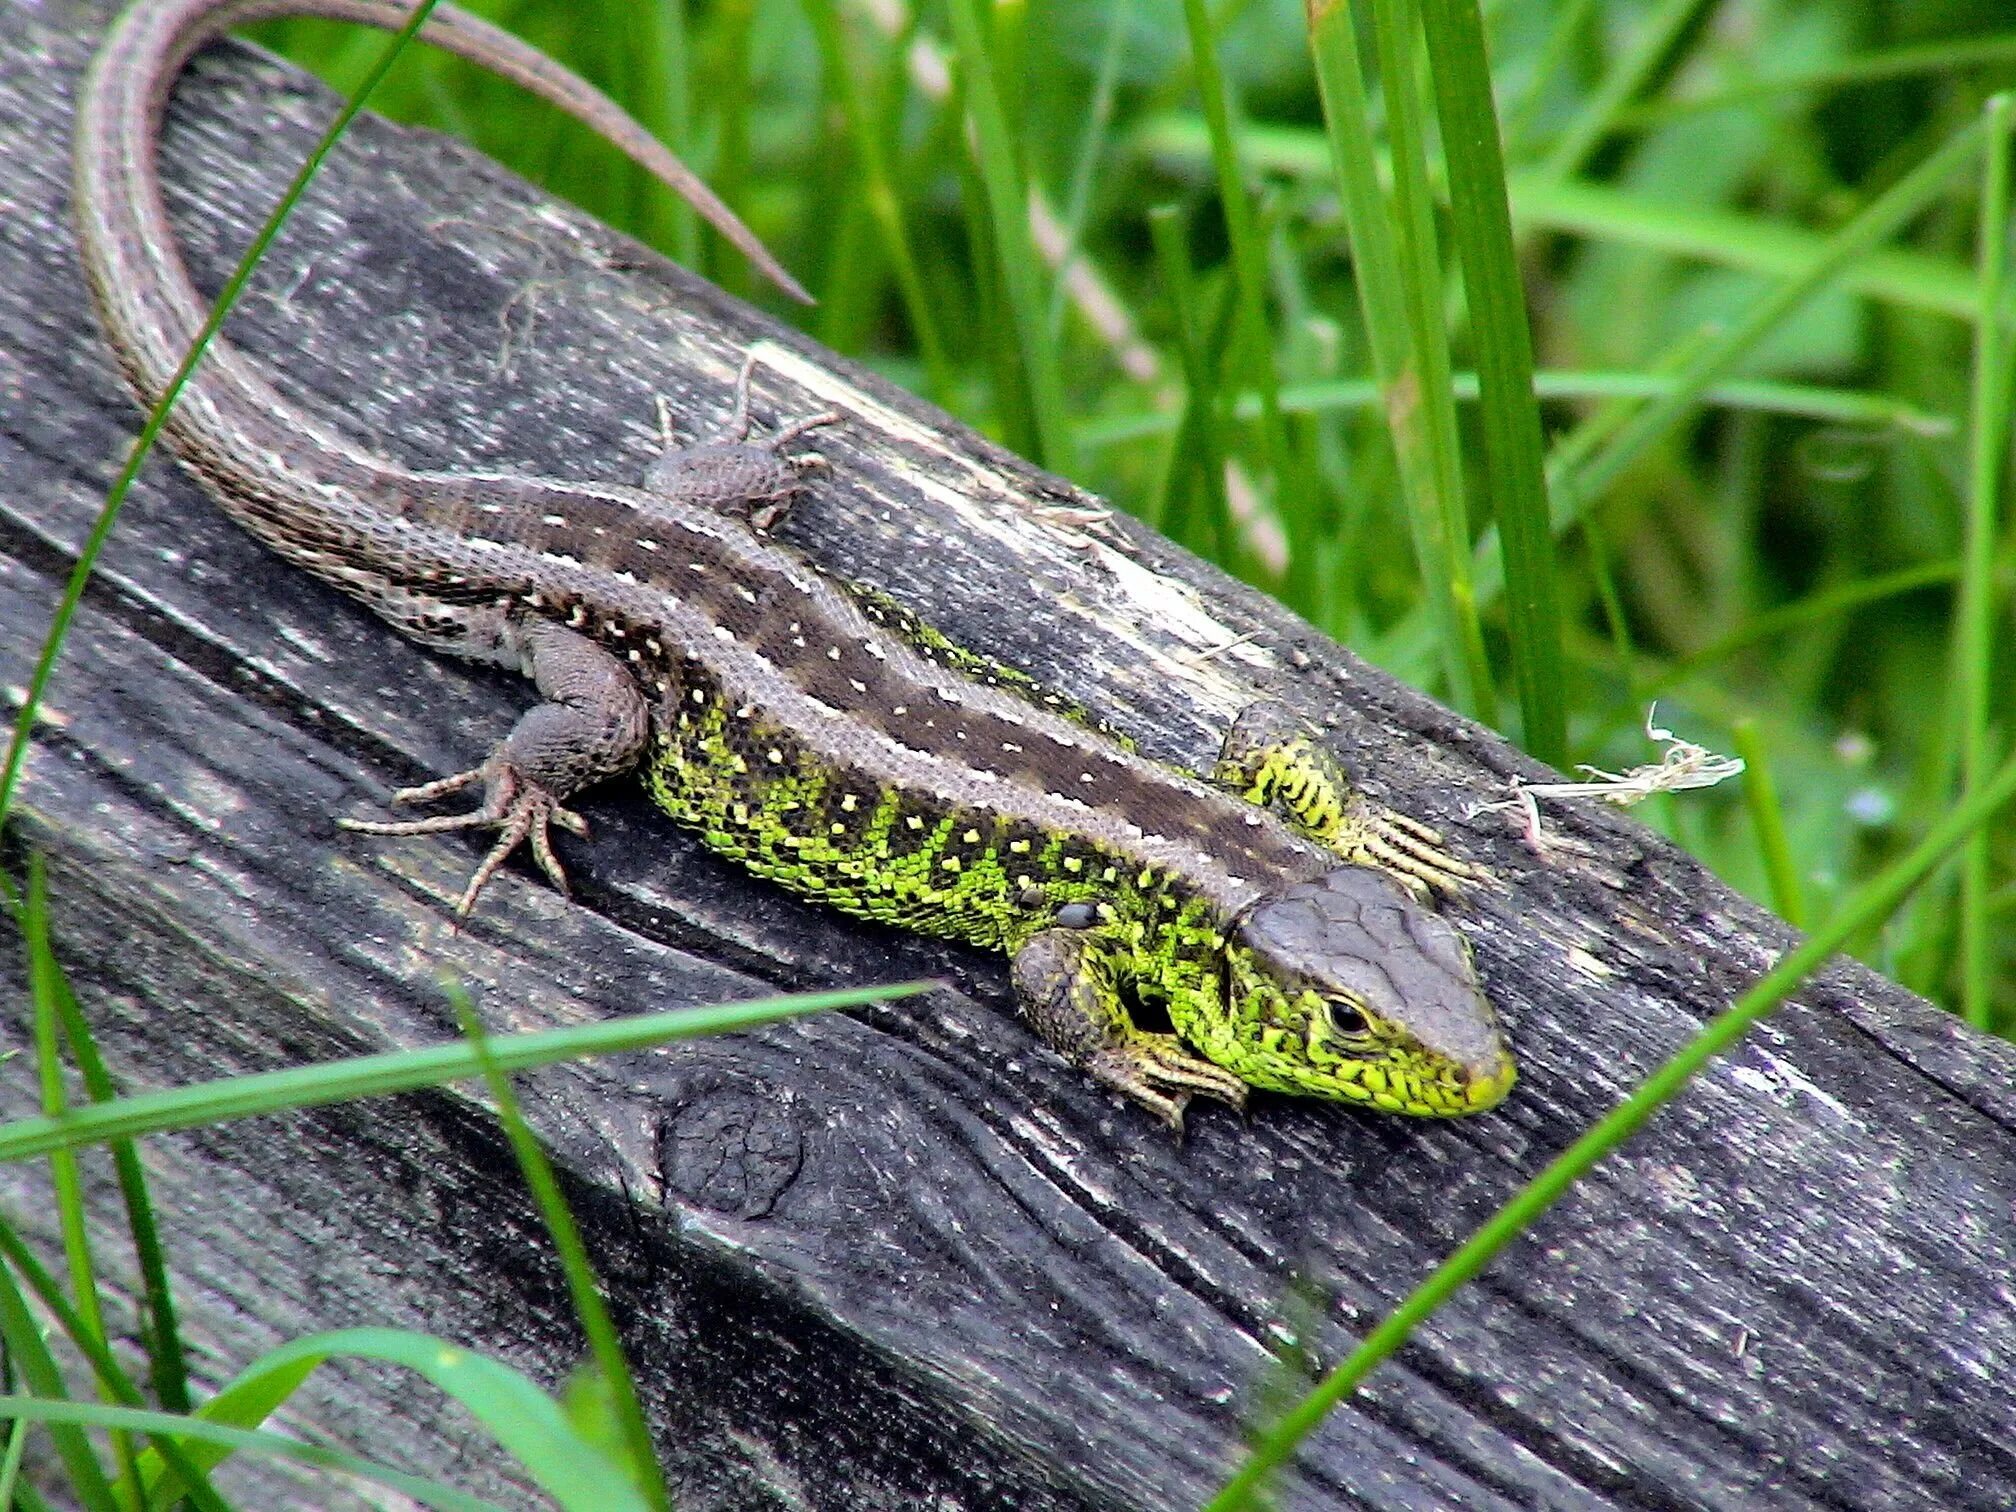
[1066, 983]
[592, 725]
[729, 473]
[1273, 757]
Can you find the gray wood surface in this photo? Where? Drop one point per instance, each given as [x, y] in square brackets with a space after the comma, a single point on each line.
[898, 1257]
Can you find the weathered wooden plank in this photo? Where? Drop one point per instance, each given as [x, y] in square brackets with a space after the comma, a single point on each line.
[903, 1254]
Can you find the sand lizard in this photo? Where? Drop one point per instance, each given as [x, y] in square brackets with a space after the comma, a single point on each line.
[815, 733]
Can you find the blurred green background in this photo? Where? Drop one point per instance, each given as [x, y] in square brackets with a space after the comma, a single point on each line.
[1748, 236]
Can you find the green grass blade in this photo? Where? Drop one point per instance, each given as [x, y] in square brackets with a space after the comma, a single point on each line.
[992, 324]
[1732, 239]
[28, 1352]
[64, 1174]
[1422, 285]
[1481, 224]
[930, 302]
[1091, 152]
[1614, 617]
[852, 273]
[1767, 818]
[10, 1465]
[1975, 615]
[1571, 451]
[112, 1379]
[1648, 52]
[101, 529]
[160, 1333]
[45, 991]
[603, 1345]
[527, 1424]
[866, 131]
[1007, 205]
[234, 1097]
[27, 1499]
[1949, 55]
[1828, 603]
[1566, 29]
[1873, 902]
[1880, 219]
[227, 1440]
[728, 82]
[1621, 217]
[660, 56]
[1843, 407]
[1249, 251]
[1409, 353]
[1190, 507]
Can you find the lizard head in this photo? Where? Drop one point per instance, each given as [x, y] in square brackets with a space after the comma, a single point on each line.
[1347, 987]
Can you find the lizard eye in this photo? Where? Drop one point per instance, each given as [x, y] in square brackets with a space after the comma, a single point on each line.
[1347, 1019]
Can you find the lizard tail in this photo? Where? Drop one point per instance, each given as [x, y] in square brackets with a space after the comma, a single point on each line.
[157, 39]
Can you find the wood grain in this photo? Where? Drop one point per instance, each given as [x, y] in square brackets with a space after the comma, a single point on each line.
[903, 1256]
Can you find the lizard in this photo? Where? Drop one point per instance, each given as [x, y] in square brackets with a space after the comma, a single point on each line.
[819, 734]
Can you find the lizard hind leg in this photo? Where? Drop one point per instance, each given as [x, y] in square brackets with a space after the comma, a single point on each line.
[1274, 758]
[730, 474]
[1065, 983]
[592, 724]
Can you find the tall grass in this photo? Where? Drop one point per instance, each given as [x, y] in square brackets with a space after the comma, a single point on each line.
[1681, 372]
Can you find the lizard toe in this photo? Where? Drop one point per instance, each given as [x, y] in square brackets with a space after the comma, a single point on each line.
[521, 810]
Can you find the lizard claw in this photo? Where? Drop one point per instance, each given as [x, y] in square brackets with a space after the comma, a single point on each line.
[1159, 1073]
[1409, 851]
[521, 810]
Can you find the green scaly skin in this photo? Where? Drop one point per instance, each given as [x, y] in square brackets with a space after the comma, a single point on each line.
[761, 799]
[922, 861]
